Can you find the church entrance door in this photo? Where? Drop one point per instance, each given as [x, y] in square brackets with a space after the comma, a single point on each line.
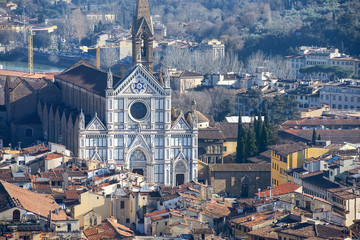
[180, 178]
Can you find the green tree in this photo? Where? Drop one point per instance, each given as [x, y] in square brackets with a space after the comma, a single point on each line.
[241, 140]
[264, 138]
[250, 147]
[332, 71]
[258, 129]
[225, 109]
[42, 40]
[41, 18]
[319, 137]
[283, 108]
[313, 140]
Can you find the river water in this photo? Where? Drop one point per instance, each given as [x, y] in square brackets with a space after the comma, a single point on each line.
[23, 67]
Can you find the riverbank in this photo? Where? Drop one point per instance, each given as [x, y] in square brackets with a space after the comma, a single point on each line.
[20, 55]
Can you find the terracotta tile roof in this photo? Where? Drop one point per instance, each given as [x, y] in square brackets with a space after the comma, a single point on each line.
[156, 213]
[281, 189]
[335, 136]
[169, 197]
[265, 232]
[35, 150]
[319, 181]
[307, 230]
[40, 204]
[42, 187]
[26, 74]
[286, 149]
[86, 76]
[109, 229]
[156, 218]
[228, 130]
[324, 121]
[185, 195]
[8, 176]
[179, 223]
[71, 194]
[257, 218]
[215, 209]
[240, 167]
[189, 74]
[201, 117]
[52, 156]
[344, 193]
[203, 231]
[53, 174]
[210, 133]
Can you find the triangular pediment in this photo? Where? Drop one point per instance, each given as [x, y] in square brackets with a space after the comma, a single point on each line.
[95, 125]
[181, 124]
[139, 81]
[180, 156]
[139, 141]
[96, 157]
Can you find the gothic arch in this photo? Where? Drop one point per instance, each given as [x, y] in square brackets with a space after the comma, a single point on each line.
[138, 160]
[180, 172]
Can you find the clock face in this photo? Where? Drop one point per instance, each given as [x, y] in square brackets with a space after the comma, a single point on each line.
[138, 111]
[139, 86]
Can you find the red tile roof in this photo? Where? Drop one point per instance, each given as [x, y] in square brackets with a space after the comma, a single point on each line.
[285, 188]
[109, 229]
[335, 136]
[52, 156]
[323, 121]
[156, 213]
[40, 204]
[257, 218]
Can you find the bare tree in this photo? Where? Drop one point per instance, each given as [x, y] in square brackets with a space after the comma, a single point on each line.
[108, 57]
[254, 61]
[78, 24]
[279, 67]
[217, 102]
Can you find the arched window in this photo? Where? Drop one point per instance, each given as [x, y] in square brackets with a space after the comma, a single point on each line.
[16, 215]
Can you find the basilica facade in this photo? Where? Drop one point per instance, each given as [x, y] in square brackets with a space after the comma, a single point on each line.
[140, 131]
[127, 121]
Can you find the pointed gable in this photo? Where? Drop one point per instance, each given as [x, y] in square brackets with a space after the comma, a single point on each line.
[181, 124]
[139, 81]
[96, 157]
[139, 141]
[95, 125]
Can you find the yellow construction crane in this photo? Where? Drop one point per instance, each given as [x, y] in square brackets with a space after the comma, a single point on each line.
[30, 32]
[98, 48]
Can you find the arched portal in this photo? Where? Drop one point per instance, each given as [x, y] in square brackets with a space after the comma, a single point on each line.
[138, 162]
[180, 171]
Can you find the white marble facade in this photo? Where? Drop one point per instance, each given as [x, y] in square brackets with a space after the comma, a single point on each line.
[140, 133]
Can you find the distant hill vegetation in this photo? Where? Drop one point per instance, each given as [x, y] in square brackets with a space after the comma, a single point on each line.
[246, 26]
[273, 26]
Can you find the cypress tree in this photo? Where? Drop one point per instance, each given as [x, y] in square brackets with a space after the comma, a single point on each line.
[270, 133]
[250, 147]
[313, 141]
[240, 147]
[266, 117]
[264, 138]
[258, 130]
[319, 137]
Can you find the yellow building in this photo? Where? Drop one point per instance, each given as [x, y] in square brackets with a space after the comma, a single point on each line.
[287, 156]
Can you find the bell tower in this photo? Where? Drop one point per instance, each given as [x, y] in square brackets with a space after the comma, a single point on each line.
[142, 36]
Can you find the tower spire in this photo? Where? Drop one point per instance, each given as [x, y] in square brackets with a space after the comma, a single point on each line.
[143, 11]
[142, 36]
